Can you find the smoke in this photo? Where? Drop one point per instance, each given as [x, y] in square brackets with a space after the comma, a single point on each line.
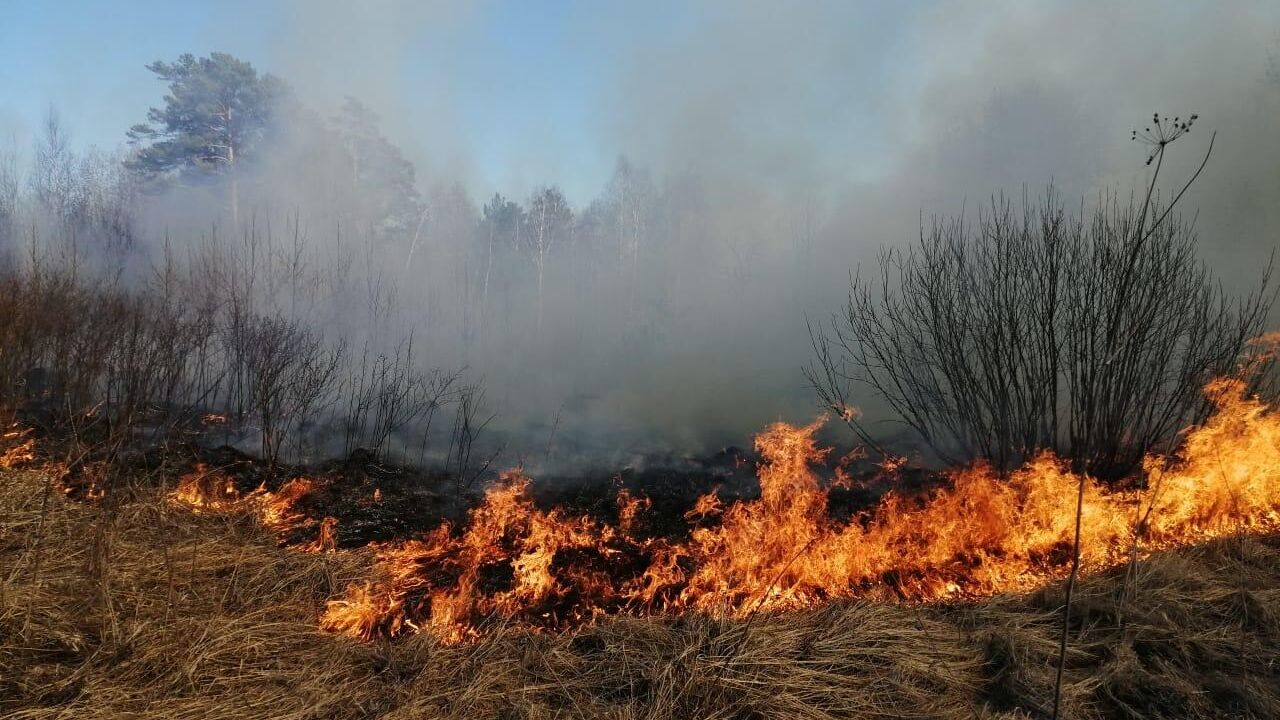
[769, 151]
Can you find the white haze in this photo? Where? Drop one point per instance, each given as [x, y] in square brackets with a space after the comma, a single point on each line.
[785, 145]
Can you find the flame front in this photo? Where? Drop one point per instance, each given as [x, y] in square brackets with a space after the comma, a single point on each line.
[978, 535]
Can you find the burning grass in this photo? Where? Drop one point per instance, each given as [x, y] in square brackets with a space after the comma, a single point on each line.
[181, 592]
[979, 535]
[136, 607]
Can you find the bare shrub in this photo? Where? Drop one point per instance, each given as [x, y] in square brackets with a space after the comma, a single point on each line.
[387, 393]
[1090, 334]
[469, 422]
[231, 333]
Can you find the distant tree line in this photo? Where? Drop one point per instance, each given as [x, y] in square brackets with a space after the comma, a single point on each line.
[228, 139]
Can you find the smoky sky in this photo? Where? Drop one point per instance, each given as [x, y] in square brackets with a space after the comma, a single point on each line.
[835, 105]
[815, 134]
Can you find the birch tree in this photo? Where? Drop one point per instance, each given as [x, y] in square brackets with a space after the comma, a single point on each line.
[550, 220]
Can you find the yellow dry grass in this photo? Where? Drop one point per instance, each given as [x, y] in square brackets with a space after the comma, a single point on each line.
[131, 608]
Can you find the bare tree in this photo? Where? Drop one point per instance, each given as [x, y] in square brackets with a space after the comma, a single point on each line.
[630, 194]
[10, 188]
[52, 176]
[551, 219]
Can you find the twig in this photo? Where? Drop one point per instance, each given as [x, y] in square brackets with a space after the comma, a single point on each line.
[1066, 610]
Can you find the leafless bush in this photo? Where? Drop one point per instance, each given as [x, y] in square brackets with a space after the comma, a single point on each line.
[228, 333]
[469, 422]
[97, 343]
[387, 394]
[1089, 334]
[10, 186]
[290, 371]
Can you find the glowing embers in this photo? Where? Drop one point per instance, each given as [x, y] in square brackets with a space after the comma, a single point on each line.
[977, 535]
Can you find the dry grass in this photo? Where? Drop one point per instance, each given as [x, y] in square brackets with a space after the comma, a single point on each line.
[133, 609]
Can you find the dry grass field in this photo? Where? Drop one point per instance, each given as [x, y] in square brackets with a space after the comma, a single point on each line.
[132, 608]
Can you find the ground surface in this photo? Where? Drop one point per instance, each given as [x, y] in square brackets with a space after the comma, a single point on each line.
[131, 608]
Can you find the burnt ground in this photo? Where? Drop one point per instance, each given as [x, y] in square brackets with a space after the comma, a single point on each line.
[376, 501]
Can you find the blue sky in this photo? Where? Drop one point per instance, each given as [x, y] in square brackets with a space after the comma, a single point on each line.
[506, 95]
[87, 59]
[503, 94]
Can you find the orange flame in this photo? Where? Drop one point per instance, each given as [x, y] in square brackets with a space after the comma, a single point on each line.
[213, 491]
[976, 536]
[19, 454]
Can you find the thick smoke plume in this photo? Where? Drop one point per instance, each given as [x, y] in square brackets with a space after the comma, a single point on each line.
[708, 187]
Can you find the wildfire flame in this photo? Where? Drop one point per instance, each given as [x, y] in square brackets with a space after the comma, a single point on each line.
[21, 448]
[978, 535]
[213, 491]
